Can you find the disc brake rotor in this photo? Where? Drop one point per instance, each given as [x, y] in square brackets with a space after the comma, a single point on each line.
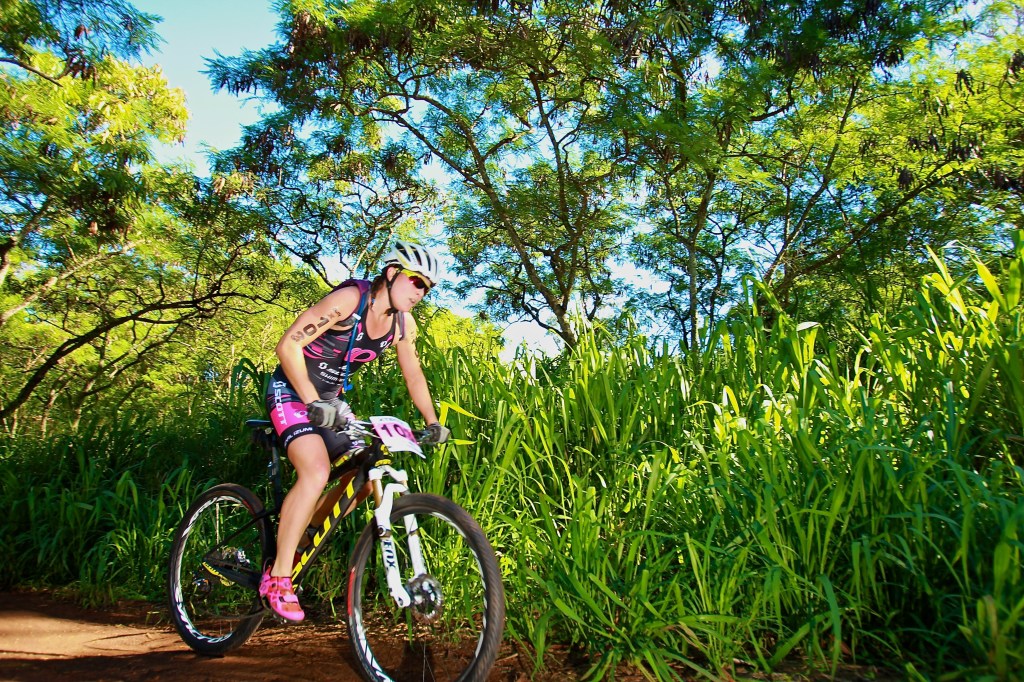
[427, 600]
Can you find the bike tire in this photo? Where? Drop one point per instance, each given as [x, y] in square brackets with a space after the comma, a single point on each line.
[462, 643]
[212, 612]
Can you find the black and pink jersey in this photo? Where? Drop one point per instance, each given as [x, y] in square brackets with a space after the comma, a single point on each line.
[327, 356]
[326, 360]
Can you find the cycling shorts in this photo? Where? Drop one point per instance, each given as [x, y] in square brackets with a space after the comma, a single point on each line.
[288, 416]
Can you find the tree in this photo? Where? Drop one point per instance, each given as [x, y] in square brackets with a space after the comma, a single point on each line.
[107, 321]
[499, 98]
[906, 163]
[735, 136]
[700, 117]
[80, 33]
[323, 196]
[105, 256]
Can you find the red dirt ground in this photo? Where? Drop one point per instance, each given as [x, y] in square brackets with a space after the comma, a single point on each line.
[47, 639]
[44, 638]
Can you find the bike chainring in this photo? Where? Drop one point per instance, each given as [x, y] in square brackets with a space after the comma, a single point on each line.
[228, 557]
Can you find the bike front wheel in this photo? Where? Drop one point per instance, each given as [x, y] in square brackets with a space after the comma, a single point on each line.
[454, 626]
[215, 569]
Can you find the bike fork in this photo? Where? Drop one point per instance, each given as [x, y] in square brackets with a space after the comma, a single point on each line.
[385, 496]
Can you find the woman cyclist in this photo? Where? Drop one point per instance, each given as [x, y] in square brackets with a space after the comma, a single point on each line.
[326, 344]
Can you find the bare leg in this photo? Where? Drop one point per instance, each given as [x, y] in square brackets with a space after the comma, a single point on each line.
[325, 505]
[308, 455]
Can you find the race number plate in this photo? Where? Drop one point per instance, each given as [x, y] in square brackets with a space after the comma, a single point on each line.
[396, 435]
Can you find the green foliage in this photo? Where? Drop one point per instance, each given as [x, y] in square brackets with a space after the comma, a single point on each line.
[112, 266]
[97, 507]
[82, 32]
[497, 102]
[817, 146]
[760, 500]
[828, 181]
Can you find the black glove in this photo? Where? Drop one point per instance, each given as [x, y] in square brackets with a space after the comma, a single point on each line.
[331, 414]
[436, 434]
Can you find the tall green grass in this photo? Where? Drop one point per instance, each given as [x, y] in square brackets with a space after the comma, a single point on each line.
[760, 500]
[765, 498]
[95, 509]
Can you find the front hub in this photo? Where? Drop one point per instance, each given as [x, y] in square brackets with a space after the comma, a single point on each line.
[427, 600]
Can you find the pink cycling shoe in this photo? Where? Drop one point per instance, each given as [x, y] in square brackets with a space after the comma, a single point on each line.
[281, 597]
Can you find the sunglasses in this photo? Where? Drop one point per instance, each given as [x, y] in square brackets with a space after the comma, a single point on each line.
[417, 280]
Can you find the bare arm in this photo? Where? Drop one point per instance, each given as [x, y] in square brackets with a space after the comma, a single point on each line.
[409, 361]
[308, 327]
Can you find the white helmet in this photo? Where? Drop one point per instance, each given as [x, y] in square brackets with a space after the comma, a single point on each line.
[416, 258]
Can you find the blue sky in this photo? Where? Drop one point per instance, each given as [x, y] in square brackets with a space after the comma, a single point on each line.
[194, 30]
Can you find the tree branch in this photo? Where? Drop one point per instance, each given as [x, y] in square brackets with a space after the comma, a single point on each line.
[29, 67]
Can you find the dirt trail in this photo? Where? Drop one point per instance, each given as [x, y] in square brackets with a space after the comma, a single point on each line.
[44, 639]
[47, 639]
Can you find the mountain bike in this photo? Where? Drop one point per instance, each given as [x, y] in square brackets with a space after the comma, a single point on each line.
[425, 598]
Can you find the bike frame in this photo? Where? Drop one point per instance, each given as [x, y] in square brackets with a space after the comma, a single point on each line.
[371, 465]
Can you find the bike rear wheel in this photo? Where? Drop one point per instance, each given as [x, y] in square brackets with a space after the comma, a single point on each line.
[215, 568]
[452, 638]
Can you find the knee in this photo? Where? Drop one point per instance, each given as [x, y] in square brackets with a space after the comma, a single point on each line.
[314, 476]
[309, 457]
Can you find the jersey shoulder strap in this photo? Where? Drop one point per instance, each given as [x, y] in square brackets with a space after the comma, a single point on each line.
[351, 322]
[364, 289]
